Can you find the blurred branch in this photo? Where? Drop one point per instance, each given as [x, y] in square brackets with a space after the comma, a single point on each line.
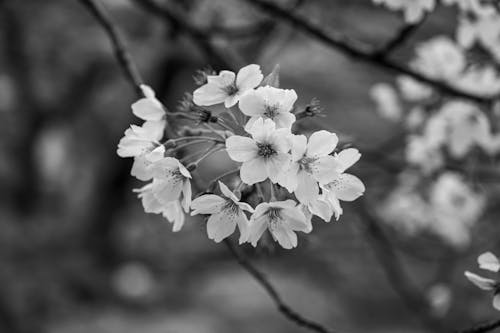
[121, 53]
[283, 308]
[176, 17]
[483, 328]
[392, 267]
[399, 39]
[360, 51]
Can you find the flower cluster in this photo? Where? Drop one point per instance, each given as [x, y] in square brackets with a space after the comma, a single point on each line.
[447, 138]
[284, 177]
[487, 261]
[447, 207]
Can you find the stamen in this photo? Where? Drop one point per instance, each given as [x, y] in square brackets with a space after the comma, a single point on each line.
[265, 150]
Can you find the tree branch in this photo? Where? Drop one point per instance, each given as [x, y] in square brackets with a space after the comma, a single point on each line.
[283, 308]
[392, 267]
[361, 51]
[482, 328]
[123, 56]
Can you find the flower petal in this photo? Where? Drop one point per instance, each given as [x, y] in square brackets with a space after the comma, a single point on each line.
[207, 204]
[148, 109]
[253, 171]
[221, 225]
[299, 146]
[479, 281]
[347, 158]
[276, 166]
[240, 148]
[321, 143]
[249, 77]
[257, 227]
[489, 262]
[347, 187]
[209, 94]
[307, 188]
[252, 104]
[496, 302]
[285, 237]
[227, 192]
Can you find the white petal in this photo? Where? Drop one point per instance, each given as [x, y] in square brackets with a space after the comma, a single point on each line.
[321, 143]
[321, 209]
[295, 219]
[253, 171]
[347, 187]
[231, 100]
[252, 104]
[227, 192]
[347, 158]
[299, 146]
[186, 195]
[140, 168]
[489, 262]
[148, 109]
[220, 226]
[243, 226]
[481, 282]
[324, 170]
[166, 190]
[240, 148]
[496, 302]
[257, 227]
[276, 166]
[209, 94]
[285, 237]
[307, 188]
[262, 129]
[207, 204]
[249, 77]
[284, 120]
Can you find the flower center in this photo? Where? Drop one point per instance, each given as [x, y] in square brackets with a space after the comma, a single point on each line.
[231, 89]
[231, 206]
[265, 150]
[270, 111]
[306, 163]
[274, 214]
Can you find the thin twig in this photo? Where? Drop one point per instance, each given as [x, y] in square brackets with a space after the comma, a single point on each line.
[400, 38]
[283, 308]
[119, 46]
[482, 328]
[361, 51]
[392, 267]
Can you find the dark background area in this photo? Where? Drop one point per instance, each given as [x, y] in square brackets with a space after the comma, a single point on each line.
[78, 253]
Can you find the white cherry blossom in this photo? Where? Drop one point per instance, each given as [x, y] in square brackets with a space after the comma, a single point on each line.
[282, 219]
[170, 180]
[441, 58]
[386, 101]
[148, 108]
[487, 261]
[344, 186]
[139, 140]
[226, 212]
[269, 103]
[413, 10]
[412, 90]
[264, 155]
[172, 211]
[228, 87]
[311, 163]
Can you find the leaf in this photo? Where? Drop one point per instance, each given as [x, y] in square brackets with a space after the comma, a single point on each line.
[273, 79]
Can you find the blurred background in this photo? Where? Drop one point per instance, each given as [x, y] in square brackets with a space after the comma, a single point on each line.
[78, 253]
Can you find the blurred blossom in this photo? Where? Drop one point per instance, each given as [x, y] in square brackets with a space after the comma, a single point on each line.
[52, 150]
[412, 90]
[439, 296]
[387, 101]
[448, 208]
[133, 280]
[440, 57]
[413, 10]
